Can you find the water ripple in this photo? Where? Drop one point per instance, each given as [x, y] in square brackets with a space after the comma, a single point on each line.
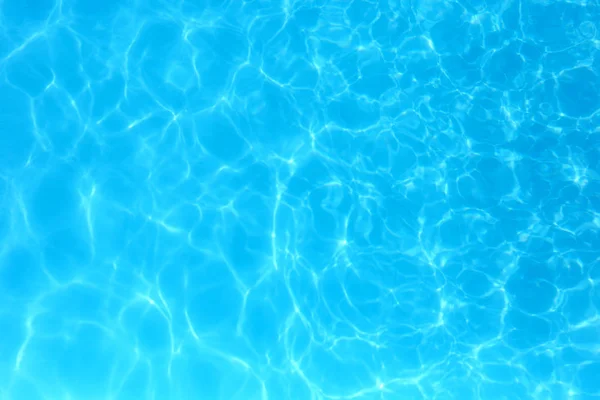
[299, 200]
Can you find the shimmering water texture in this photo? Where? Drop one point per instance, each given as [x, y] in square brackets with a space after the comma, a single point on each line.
[310, 200]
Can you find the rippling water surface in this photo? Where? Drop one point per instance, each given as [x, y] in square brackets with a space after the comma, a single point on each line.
[239, 200]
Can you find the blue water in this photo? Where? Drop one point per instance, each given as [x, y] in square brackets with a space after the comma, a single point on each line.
[256, 199]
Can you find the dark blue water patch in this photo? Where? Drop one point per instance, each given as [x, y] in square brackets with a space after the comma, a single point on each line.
[540, 364]
[307, 17]
[577, 306]
[368, 297]
[533, 54]
[267, 124]
[538, 247]
[474, 283]
[362, 12]
[436, 347]
[389, 29]
[221, 135]
[403, 161]
[138, 107]
[375, 233]
[431, 193]
[409, 358]
[281, 386]
[379, 153]
[498, 351]
[66, 61]
[216, 303]
[553, 25]
[424, 69]
[373, 85]
[17, 138]
[303, 286]
[72, 357]
[452, 232]
[352, 112]
[263, 307]
[76, 302]
[332, 199]
[594, 269]
[592, 157]
[435, 211]
[536, 143]
[470, 195]
[578, 92]
[107, 94]
[66, 250]
[149, 58]
[565, 60]
[31, 13]
[87, 151]
[251, 250]
[501, 373]
[29, 70]
[528, 331]
[280, 124]
[53, 201]
[587, 377]
[314, 172]
[172, 276]
[58, 121]
[451, 34]
[568, 193]
[172, 174]
[264, 30]
[314, 244]
[497, 39]
[277, 65]
[492, 236]
[136, 382]
[504, 66]
[346, 374]
[88, 8]
[571, 356]
[511, 18]
[152, 328]
[584, 337]
[200, 375]
[109, 220]
[569, 273]
[497, 390]
[562, 239]
[299, 336]
[401, 214]
[457, 389]
[531, 288]
[483, 123]
[5, 218]
[532, 178]
[417, 307]
[23, 388]
[475, 323]
[14, 330]
[402, 140]
[544, 95]
[495, 177]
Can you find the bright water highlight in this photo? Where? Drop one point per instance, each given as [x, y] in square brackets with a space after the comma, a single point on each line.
[324, 200]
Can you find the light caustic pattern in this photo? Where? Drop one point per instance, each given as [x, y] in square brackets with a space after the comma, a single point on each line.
[299, 200]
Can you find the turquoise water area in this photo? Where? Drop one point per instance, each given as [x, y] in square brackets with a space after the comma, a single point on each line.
[299, 200]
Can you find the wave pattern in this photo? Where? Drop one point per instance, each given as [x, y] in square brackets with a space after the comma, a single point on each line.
[326, 199]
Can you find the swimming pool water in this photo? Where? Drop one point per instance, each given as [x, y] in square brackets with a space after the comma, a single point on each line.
[257, 199]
